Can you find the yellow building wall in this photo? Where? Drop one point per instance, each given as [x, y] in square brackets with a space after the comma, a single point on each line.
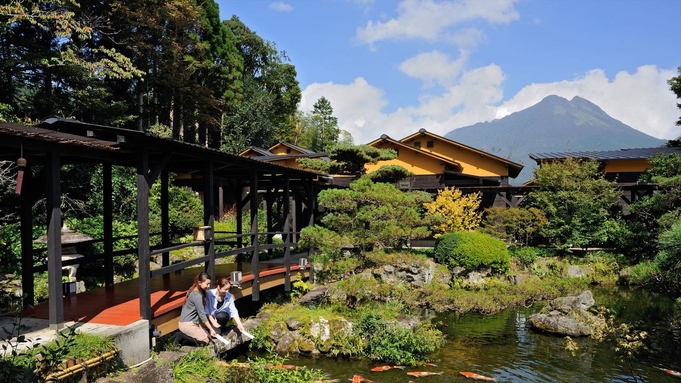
[290, 162]
[627, 166]
[280, 149]
[417, 163]
[473, 163]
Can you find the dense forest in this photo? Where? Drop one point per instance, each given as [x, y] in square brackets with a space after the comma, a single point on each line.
[172, 68]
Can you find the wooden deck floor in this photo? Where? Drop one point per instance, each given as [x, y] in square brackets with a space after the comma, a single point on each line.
[119, 305]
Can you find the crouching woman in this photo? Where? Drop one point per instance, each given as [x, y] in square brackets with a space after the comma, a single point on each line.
[221, 308]
[193, 311]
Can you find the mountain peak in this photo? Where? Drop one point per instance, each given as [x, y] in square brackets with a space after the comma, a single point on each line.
[552, 125]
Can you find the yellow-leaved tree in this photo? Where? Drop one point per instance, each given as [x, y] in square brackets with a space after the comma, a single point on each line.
[458, 211]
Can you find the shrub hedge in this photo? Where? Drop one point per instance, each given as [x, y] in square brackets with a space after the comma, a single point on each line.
[472, 250]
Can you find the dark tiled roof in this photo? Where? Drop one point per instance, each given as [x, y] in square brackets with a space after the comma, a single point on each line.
[606, 155]
[262, 151]
[299, 148]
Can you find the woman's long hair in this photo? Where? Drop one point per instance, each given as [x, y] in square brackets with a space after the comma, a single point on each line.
[201, 277]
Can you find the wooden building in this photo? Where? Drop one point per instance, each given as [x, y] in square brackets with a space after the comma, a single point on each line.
[282, 153]
[623, 166]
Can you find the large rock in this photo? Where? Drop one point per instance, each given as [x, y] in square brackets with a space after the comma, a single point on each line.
[416, 275]
[314, 296]
[567, 316]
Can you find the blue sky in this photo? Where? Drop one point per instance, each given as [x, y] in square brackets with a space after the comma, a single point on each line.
[393, 67]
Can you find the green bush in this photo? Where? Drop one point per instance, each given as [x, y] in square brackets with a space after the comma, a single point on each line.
[472, 250]
[392, 343]
[525, 255]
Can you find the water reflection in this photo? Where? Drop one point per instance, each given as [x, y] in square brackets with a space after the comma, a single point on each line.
[501, 346]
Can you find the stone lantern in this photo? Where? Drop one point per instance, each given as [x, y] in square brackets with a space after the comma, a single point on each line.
[69, 240]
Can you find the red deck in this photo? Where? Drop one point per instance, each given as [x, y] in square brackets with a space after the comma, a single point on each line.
[120, 305]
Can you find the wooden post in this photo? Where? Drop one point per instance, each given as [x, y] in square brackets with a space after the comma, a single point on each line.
[165, 219]
[255, 269]
[209, 217]
[27, 284]
[287, 234]
[143, 250]
[56, 301]
[107, 193]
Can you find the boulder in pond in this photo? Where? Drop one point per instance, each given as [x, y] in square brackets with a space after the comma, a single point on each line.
[567, 316]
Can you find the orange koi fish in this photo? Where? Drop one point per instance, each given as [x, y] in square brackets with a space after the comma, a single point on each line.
[429, 364]
[670, 372]
[474, 376]
[386, 368]
[280, 366]
[421, 374]
[360, 379]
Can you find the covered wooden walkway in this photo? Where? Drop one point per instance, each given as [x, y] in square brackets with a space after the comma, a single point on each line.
[214, 174]
[119, 304]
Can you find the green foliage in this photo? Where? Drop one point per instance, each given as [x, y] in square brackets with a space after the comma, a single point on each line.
[459, 211]
[317, 237]
[472, 250]
[644, 273]
[525, 255]
[515, 224]
[675, 86]
[261, 372]
[37, 361]
[321, 131]
[374, 215]
[348, 159]
[669, 258]
[160, 130]
[199, 365]
[389, 174]
[7, 114]
[391, 343]
[653, 214]
[300, 287]
[332, 267]
[579, 204]
[185, 209]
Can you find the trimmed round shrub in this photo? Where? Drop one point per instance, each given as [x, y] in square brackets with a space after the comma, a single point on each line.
[472, 250]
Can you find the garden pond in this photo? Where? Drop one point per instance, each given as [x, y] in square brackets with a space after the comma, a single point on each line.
[503, 347]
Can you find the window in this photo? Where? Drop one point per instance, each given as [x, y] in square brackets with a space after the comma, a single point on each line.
[430, 144]
[417, 144]
[288, 150]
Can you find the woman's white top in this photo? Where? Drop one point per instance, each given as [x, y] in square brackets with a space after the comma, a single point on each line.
[227, 306]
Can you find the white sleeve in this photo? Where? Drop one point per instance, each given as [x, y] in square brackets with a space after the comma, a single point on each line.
[231, 308]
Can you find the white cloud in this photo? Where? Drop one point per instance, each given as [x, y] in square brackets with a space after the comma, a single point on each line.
[280, 6]
[431, 21]
[641, 100]
[434, 67]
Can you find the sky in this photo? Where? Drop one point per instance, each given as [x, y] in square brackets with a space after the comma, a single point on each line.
[394, 67]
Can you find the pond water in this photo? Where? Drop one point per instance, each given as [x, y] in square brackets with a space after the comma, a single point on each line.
[502, 347]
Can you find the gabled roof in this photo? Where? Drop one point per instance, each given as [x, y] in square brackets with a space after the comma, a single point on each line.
[277, 157]
[385, 138]
[255, 149]
[294, 147]
[514, 167]
[606, 155]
